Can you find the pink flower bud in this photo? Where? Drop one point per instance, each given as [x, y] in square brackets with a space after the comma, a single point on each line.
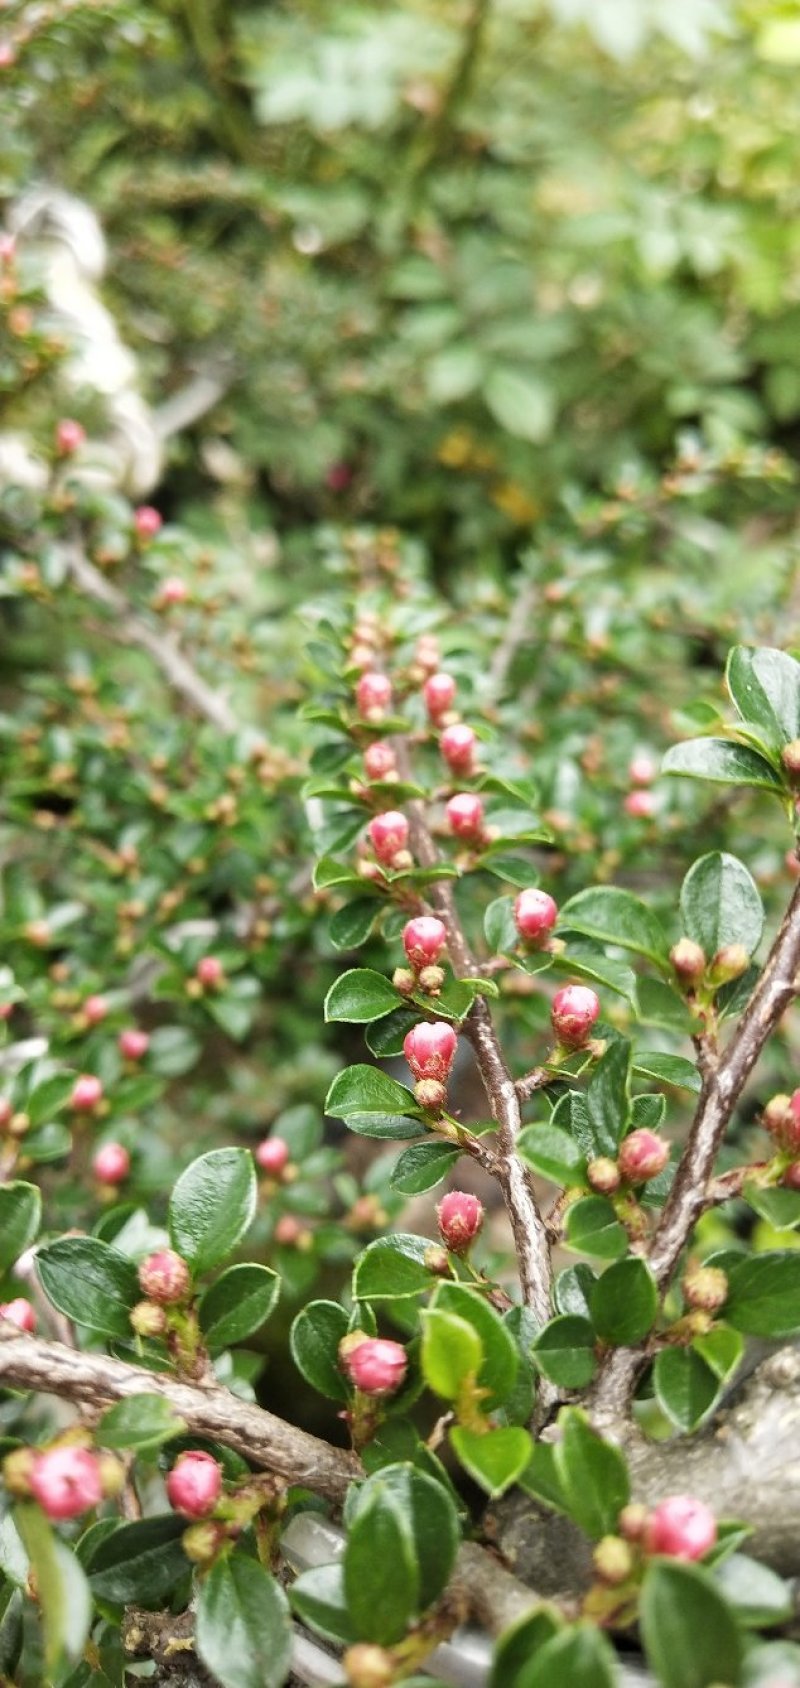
[6, 1112]
[66, 1482]
[272, 1155]
[535, 914]
[209, 971]
[70, 436]
[729, 963]
[458, 745]
[133, 1044]
[642, 769]
[465, 815]
[424, 939]
[375, 1366]
[790, 757]
[388, 835]
[688, 960]
[439, 693]
[95, 1008]
[8, 56]
[8, 248]
[373, 695]
[681, 1528]
[111, 1164]
[338, 477]
[288, 1231]
[430, 1049]
[165, 1277]
[87, 1091]
[194, 1484]
[173, 590]
[20, 1313]
[642, 1155]
[640, 804]
[146, 522]
[574, 1011]
[460, 1217]
[379, 760]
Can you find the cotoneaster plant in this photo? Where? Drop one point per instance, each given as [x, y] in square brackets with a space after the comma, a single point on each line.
[569, 1377]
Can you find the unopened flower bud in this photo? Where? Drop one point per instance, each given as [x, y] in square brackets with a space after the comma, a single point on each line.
[790, 757]
[171, 592]
[791, 1177]
[112, 1475]
[642, 769]
[194, 1484]
[688, 960]
[388, 834]
[70, 436]
[379, 760]
[705, 1288]
[424, 939]
[87, 1091]
[210, 971]
[458, 745]
[368, 1666]
[6, 1112]
[374, 1365]
[439, 693]
[460, 1217]
[640, 804]
[680, 1527]
[430, 1049]
[17, 1471]
[66, 1482]
[146, 522]
[95, 1008]
[642, 1155]
[603, 1175]
[133, 1044]
[535, 915]
[148, 1319]
[111, 1163]
[782, 1120]
[573, 1013]
[430, 1094]
[272, 1156]
[288, 1231]
[404, 981]
[729, 963]
[613, 1560]
[373, 696]
[20, 1313]
[465, 816]
[437, 1260]
[165, 1277]
[431, 980]
[632, 1521]
[202, 1542]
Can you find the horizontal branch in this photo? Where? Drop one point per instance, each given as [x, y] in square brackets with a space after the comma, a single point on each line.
[95, 1380]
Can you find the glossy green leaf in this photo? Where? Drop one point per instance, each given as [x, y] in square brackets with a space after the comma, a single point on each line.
[243, 1628]
[392, 1268]
[722, 762]
[380, 1541]
[360, 995]
[314, 1341]
[63, 1591]
[760, 1598]
[237, 1304]
[564, 1351]
[20, 1218]
[688, 1382]
[593, 1475]
[495, 1460]
[690, 1634]
[141, 1562]
[140, 1421]
[580, 1656]
[721, 904]
[572, 1289]
[422, 1166]
[616, 917]
[11, 1628]
[498, 1371]
[765, 687]
[351, 925]
[367, 1090]
[667, 1069]
[624, 1302]
[592, 1227]
[429, 1512]
[764, 1294]
[499, 928]
[211, 1207]
[552, 1153]
[517, 1646]
[91, 1283]
[608, 1105]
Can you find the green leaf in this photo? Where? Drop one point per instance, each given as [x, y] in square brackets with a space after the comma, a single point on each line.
[593, 1228]
[451, 1352]
[523, 404]
[514, 870]
[519, 1644]
[173, 1051]
[243, 1628]
[624, 1302]
[496, 1459]
[359, 996]
[541, 1477]
[140, 1562]
[690, 1634]
[760, 1598]
[608, 1106]
[141, 1421]
[422, 1166]
[688, 1382]
[392, 1268]
[63, 1592]
[722, 763]
[579, 1656]
[211, 1206]
[430, 1514]
[392, 1128]
[552, 1153]
[500, 1365]
[499, 927]
[764, 1294]
[720, 904]
[237, 1305]
[564, 1351]
[319, 1599]
[45, 1099]
[234, 1015]
[667, 1069]
[351, 925]
[91, 1283]
[572, 1289]
[381, 1606]
[20, 1218]
[616, 917]
[11, 1628]
[314, 1342]
[593, 1475]
[385, 1037]
[780, 1208]
[765, 687]
[367, 1090]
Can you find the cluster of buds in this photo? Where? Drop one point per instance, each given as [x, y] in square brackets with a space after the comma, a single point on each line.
[535, 915]
[374, 1365]
[460, 1217]
[66, 1480]
[642, 1156]
[458, 745]
[430, 1050]
[573, 1012]
[679, 1527]
[465, 817]
[424, 938]
[272, 1156]
[388, 835]
[374, 697]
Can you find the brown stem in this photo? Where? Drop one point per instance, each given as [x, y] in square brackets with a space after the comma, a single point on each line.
[208, 1410]
[724, 1079]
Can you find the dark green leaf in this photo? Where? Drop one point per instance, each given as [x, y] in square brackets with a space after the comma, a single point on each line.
[140, 1421]
[422, 1167]
[593, 1228]
[690, 1634]
[391, 1268]
[11, 1628]
[211, 1206]
[243, 1628]
[518, 1645]
[495, 1460]
[381, 1606]
[499, 927]
[572, 1290]
[318, 1597]
[237, 1305]
[359, 996]
[624, 1302]
[720, 904]
[593, 1475]
[760, 1598]
[140, 1562]
[367, 1090]
[314, 1340]
[20, 1217]
[616, 917]
[722, 762]
[552, 1153]
[385, 1037]
[429, 1512]
[689, 1381]
[667, 1069]
[579, 1656]
[608, 1105]
[351, 925]
[91, 1283]
[765, 687]
[564, 1351]
[764, 1294]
